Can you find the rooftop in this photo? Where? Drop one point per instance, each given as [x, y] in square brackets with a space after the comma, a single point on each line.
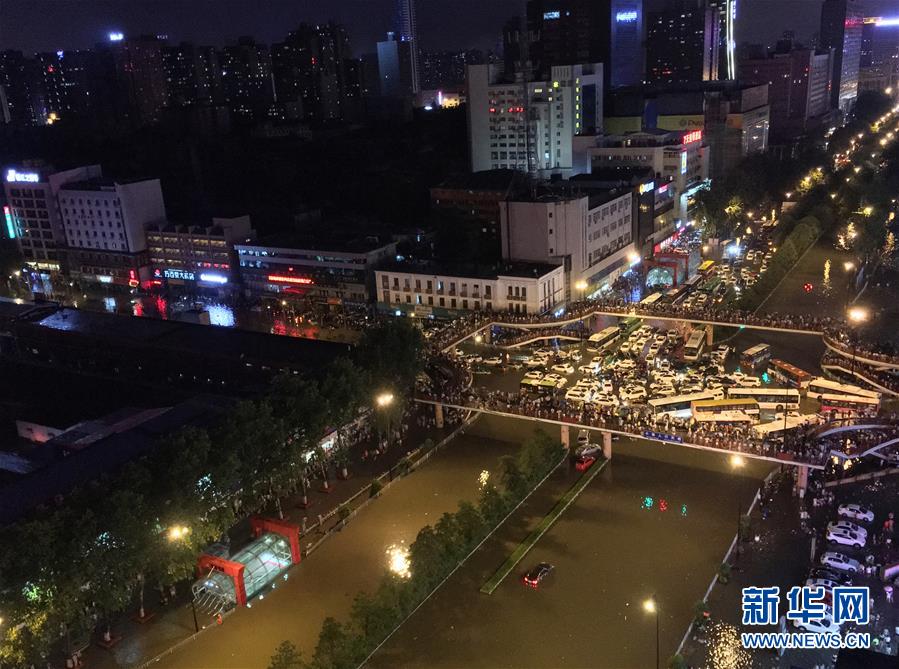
[486, 180]
[102, 183]
[336, 244]
[471, 270]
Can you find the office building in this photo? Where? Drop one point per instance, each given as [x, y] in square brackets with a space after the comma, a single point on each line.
[396, 63]
[567, 32]
[530, 125]
[590, 235]
[682, 43]
[17, 83]
[140, 77]
[33, 217]
[104, 221]
[331, 273]
[798, 88]
[407, 31]
[197, 255]
[429, 290]
[726, 10]
[841, 30]
[193, 74]
[880, 42]
[678, 158]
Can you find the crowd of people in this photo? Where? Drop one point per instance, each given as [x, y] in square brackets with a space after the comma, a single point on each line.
[854, 347]
[874, 376]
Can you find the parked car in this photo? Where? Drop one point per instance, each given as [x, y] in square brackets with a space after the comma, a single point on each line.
[494, 361]
[632, 393]
[607, 386]
[536, 575]
[583, 437]
[840, 561]
[563, 368]
[589, 450]
[849, 526]
[534, 375]
[750, 382]
[583, 462]
[825, 583]
[830, 575]
[843, 537]
[856, 511]
[818, 625]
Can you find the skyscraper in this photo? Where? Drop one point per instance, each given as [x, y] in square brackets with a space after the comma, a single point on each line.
[246, 78]
[841, 30]
[567, 32]
[407, 31]
[682, 43]
[141, 76]
[396, 67]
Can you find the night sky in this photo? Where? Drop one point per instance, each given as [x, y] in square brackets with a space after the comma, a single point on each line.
[48, 25]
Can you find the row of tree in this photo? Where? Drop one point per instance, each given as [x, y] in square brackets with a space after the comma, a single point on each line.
[437, 550]
[71, 567]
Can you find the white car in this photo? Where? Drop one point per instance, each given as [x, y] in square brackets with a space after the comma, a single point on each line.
[665, 391]
[536, 361]
[750, 382]
[632, 394]
[588, 449]
[660, 339]
[553, 381]
[664, 378]
[856, 511]
[672, 336]
[849, 526]
[586, 369]
[736, 377]
[494, 361]
[650, 357]
[626, 364]
[845, 538]
[608, 387]
[563, 368]
[536, 375]
[576, 356]
[604, 400]
[818, 625]
[579, 395]
[690, 389]
[665, 365]
[625, 348]
[583, 437]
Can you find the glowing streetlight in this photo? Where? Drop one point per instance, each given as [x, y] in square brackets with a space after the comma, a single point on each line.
[478, 339]
[737, 461]
[857, 314]
[867, 211]
[581, 285]
[788, 194]
[848, 265]
[178, 532]
[748, 230]
[384, 399]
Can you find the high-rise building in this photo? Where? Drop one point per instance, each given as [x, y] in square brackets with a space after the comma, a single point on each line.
[407, 31]
[841, 30]
[530, 125]
[515, 45]
[140, 75]
[880, 42]
[396, 67]
[247, 78]
[192, 74]
[567, 32]
[682, 43]
[17, 84]
[799, 88]
[727, 39]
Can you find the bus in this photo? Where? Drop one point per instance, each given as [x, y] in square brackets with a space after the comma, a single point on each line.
[705, 267]
[789, 374]
[675, 294]
[603, 339]
[650, 300]
[680, 403]
[693, 281]
[820, 386]
[695, 345]
[627, 325]
[756, 356]
[849, 403]
[726, 411]
[768, 398]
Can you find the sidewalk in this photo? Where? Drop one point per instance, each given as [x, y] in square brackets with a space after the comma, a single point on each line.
[173, 624]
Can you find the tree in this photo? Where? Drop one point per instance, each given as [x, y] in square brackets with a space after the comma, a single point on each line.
[391, 352]
[287, 657]
[427, 559]
[337, 648]
[470, 524]
[513, 478]
[492, 505]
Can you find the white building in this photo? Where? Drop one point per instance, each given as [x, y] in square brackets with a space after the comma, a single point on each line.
[427, 291]
[104, 221]
[529, 126]
[591, 236]
[676, 157]
[32, 216]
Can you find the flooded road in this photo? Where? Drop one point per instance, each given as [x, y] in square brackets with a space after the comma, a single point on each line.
[657, 521]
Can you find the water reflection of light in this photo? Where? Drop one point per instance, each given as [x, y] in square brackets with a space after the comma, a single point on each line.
[726, 649]
[826, 282]
[398, 560]
[162, 308]
[483, 477]
[138, 308]
[109, 304]
[221, 315]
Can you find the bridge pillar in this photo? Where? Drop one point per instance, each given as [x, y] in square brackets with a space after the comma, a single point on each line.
[566, 437]
[801, 480]
[438, 415]
[607, 445]
[709, 334]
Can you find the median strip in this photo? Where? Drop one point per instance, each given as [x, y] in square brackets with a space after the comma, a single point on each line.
[525, 546]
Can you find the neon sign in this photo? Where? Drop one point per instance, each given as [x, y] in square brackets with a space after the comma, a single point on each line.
[180, 274]
[116, 37]
[277, 278]
[549, 16]
[691, 137]
[209, 277]
[626, 17]
[10, 225]
[683, 162]
[12, 176]
[645, 188]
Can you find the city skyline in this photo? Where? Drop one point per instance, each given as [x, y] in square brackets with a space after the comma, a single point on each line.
[458, 25]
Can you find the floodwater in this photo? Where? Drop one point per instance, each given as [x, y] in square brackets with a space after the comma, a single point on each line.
[351, 561]
[656, 522]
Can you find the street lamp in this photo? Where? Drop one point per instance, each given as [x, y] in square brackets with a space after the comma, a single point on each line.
[651, 606]
[737, 462]
[384, 401]
[581, 286]
[848, 265]
[857, 316]
[178, 532]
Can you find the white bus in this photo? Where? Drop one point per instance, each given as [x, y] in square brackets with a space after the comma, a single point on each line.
[820, 386]
[850, 403]
[681, 403]
[650, 299]
[768, 398]
[604, 339]
[726, 411]
[756, 356]
[694, 346]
